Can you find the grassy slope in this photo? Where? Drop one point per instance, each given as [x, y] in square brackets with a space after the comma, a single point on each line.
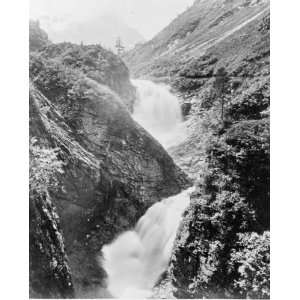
[191, 34]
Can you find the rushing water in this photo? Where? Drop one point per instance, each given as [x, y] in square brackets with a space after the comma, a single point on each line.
[159, 112]
[136, 259]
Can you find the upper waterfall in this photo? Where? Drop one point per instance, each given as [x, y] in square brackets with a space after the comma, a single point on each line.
[159, 112]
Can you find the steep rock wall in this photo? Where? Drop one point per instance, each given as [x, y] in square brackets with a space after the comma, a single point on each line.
[80, 103]
[114, 170]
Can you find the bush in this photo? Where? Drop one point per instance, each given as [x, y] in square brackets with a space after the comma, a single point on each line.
[250, 103]
[217, 256]
[243, 154]
[251, 260]
[203, 257]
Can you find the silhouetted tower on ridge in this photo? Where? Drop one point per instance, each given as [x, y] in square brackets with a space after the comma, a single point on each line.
[119, 46]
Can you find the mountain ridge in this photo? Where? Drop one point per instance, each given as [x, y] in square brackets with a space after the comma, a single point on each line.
[203, 25]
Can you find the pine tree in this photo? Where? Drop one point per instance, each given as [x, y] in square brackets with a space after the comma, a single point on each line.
[119, 46]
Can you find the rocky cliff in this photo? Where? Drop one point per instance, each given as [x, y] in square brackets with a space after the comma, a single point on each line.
[49, 272]
[113, 170]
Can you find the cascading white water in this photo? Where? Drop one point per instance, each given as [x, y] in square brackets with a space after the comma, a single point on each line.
[136, 259]
[159, 112]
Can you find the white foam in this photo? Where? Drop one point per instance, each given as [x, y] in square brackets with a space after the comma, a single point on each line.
[159, 112]
[136, 259]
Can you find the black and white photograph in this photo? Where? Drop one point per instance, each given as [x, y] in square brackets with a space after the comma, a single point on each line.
[149, 149]
[140, 155]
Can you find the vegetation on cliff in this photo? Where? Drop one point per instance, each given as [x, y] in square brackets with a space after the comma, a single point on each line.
[223, 247]
[93, 61]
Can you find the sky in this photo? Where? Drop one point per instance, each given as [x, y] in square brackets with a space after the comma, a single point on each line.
[146, 16]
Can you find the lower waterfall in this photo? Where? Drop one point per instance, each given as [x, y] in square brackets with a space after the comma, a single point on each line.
[136, 259]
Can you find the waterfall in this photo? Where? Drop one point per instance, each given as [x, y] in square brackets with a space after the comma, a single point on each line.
[136, 259]
[159, 112]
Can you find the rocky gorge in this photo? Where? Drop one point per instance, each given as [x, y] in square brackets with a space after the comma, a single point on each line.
[95, 171]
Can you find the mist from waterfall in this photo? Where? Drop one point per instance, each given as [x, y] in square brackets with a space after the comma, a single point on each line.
[159, 112]
[136, 259]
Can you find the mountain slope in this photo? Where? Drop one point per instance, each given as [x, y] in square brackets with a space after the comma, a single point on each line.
[192, 34]
[216, 58]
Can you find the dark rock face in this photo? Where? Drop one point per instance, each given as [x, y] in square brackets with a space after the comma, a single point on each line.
[114, 170]
[49, 273]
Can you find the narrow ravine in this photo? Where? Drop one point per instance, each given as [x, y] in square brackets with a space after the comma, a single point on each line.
[135, 260]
